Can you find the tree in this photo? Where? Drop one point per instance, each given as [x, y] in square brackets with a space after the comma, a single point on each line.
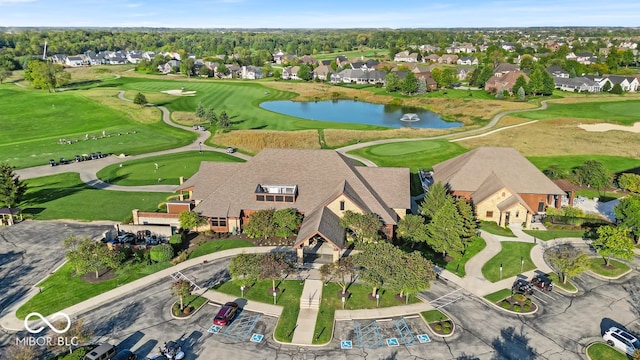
[222, 70]
[569, 261]
[548, 84]
[224, 121]
[90, 255]
[181, 289]
[392, 82]
[628, 214]
[629, 182]
[200, 111]
[593, 173]
[305, 72]
[187, 66]
[245, 268]
[410, 83]
[286, 222]
[469, 223]
[412, 228]
[260, 224]
[436, 197]
[413, 274]
[377, 262]
[445, 230]
[210, 116]
[4, 74]
[365, 227]
[555, 172]
[46, 75]
[614, 241]
[140, 99]
[161, 253]
[78, 333]
[521, 94]
[617, 89]
[627, 58]
[536, 81]
[606, 87]
[204, 71]
[11, 188]
[521, 82]
[422, 86]
[273, 267]
[338, 271]
[189, 219]
[20, 351]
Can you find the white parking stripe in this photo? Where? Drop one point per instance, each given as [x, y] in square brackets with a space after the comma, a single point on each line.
[539, 299]
[545, 294]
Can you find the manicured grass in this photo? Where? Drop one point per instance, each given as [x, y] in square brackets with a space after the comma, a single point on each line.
[358, 299]
[602, 351]
[32, 122]
[367, 53]
[415, 155]
[193, 300]
[509, 257]
[558, 283]
[620, 112]
[62, 289]
[567, 162]
[554, 234]
[65, 196]
[170, 168]
[616, 268]
[493, 228]
[433, 315]
[602, 195]
[498, 295]
[474, 247]
[288, 298]
[219, 245]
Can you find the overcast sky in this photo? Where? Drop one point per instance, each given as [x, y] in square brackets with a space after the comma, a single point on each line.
[319, 14]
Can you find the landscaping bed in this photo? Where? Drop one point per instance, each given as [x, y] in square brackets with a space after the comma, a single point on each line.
[438, 322]
[602, 351]
[568, 287]
[192, 304]
[614, 269]
[517, 303]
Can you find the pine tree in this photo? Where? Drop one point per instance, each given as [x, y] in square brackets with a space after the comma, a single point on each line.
[200, 111]
[422, 86]
[224, 121]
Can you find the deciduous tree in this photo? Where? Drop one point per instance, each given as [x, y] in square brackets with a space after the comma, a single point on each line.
[412, 228]
[342, 272]
[569, 261]
[181, 289]
[593, 173]
[274, 267]
[46, 75]
[11, 187]
[413, 273]
[377, 262]
[365, 227]
[140, 99]
[286, 222]
[628, 214]
[161, 253]
[245, 268]
[392, 82]
[189, 219]
[630, 182]
[614, 241]
[410, 83]
[90, 255]
[260, 224]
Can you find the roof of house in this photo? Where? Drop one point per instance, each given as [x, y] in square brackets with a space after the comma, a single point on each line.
[320, 176]
[506, 67]
[472, 170]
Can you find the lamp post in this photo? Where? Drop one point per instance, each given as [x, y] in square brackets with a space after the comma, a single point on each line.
[242, 291]
[500, 271]
[377, 300]
[274, 297]
[343, 300]
[521, 264]
[200, 146]
[406, 299]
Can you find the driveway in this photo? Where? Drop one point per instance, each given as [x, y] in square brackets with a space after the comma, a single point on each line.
[30, 250]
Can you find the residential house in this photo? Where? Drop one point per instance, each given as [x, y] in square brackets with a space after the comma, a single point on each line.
[290, 73]
[585, 58]
[322, 72]
[501, 184]
[557, 72]
[405, 56]
[91, 58]
[509, 47]
[432, 85]
[431, 58]
[368, 65]
[505, 82]
[251, 72]
[448, 59]
[134, 57]
[505, 68]
[74, 61]
[278, 57]
[148, 55]
[307, 59]
[628, 83]
[324, 62]
[357, 76]
[59, 59]
[428, 48]
[341, 60]
[170, 66]
[464, 71]
[467, 60]
[320, 184]
[577, 84]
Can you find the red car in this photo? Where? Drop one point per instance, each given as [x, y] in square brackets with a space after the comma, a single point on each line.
[226, 314]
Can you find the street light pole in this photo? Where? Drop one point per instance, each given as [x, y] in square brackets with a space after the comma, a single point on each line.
[343, 303]
[377, 300]
[521, 264]
[200, 146]
[242, 291]
[274, 297]
[500, 271]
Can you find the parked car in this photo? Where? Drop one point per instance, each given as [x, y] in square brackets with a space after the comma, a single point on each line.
[126, 238]
[226, 313]
[230, 150]
[102, 352]
[151, 240]
[542, 282]
[522, 286]
[621, 340]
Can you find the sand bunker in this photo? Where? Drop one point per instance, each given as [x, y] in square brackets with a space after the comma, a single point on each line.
[602, 127]
[179, 92]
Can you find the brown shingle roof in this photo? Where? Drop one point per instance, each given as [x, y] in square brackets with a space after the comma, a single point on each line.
[324, 222]
[469, 171]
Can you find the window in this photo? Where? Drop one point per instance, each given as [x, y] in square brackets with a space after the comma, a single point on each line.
[279, 198]
[517, 214]
[269, 198]
[260, 197]
[489, 214]
[288, 199]
[341, 205]
[218, 221]
[541, 206]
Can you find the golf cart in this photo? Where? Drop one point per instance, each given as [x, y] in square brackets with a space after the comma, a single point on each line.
[522, 286]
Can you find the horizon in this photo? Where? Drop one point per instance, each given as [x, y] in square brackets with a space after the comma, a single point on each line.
[288, 15]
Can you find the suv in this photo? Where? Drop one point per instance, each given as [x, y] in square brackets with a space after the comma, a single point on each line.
[621, 340]
[102, 352]
[542, 282]
[522, 286]
[226, 314]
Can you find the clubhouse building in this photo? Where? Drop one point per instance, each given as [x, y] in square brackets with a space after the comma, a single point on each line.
[320, 184]
[502, 185]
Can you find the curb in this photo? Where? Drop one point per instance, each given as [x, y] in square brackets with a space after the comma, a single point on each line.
[513, 312]
[188, 316]
[603, 277]
[453, 325]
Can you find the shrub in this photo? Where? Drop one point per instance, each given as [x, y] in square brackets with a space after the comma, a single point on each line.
[519, 297]
[528, 302]
[447, 330]
[175, 239]
[438, 327]
[527, 307]
[182, 256]
[175, 309]
[187, 310]
[396, 101]
[138, 256]
[128, 219]
[447, 325]
[160, 253]
[505, 304]
[516, 308]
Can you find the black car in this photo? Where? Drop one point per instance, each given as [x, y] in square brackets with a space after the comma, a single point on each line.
[522, 286]
[542, 282]
[125, 355]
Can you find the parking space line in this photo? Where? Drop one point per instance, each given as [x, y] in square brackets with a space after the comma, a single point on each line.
[241, 328]
[545, 294]
[538, 298]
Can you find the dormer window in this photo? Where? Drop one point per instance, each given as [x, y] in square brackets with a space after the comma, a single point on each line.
[341, 205]
[276, 193]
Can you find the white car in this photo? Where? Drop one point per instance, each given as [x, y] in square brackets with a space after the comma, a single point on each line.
[621, 340]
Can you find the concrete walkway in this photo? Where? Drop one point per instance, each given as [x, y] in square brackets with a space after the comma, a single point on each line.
[309, 307]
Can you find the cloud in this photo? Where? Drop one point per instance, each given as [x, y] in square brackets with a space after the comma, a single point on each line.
[130, 5]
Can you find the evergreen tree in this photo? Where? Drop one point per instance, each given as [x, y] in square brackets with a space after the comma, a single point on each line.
[224, 121]
[200, 111]
[422, 86]
[410, 83]
[469, 223]
[11, 188]
[435, 199]
[521, 82]
[140, 99]
[445, 230]
[211, 116]
[521, 94]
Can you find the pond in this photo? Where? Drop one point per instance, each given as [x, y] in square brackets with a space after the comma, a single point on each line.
[358, 112]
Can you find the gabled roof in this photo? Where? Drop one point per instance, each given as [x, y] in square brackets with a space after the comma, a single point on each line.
[323, 222]
[469, 171]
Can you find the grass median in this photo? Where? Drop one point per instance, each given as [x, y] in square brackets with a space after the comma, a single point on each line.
[509, 258]
[614, 269]
[546, 235]
[602, 351]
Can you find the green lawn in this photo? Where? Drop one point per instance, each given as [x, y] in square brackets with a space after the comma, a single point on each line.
[558, 283]
[474, 247]
[367, 53]
[554, 234]
[616, 267]
[614, 164]
[602, 351]
[358, 299]
[32, 122]
[603, 196]
[509, 257]
[620, 112]
[493, 228]
[194, 300]
[415, 155]
[65, 196]
[289, 299]
[170, 168]
[218, 245]
[498, 295]
[433, 315]
[62, 289]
